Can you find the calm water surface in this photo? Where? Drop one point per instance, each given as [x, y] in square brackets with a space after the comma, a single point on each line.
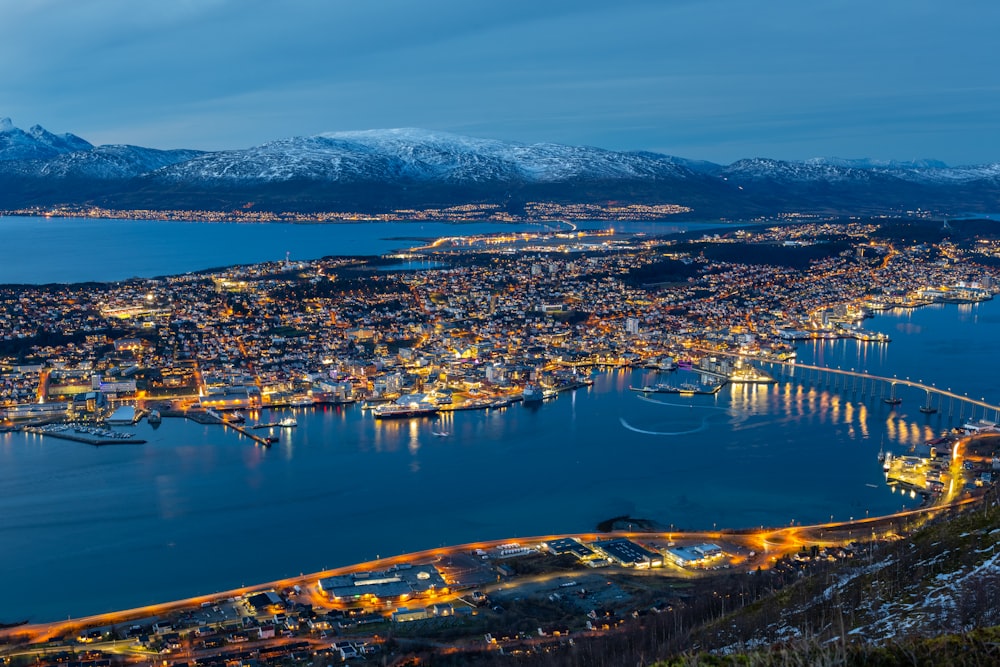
[68, 250]
[198, 509]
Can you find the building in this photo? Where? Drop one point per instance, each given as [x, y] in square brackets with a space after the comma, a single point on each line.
[403, 615]
[629, 554]
[692, 556]
[35, 410]
[122, 416]
[399, 583]
[567, 545]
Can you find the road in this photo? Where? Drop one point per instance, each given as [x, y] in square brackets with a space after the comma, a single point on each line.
[767, 545]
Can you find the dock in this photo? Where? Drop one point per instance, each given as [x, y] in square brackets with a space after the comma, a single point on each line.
[96, 439]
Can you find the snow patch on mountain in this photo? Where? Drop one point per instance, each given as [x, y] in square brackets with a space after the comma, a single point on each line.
[410, 154]
[766, 169]
[917, 171]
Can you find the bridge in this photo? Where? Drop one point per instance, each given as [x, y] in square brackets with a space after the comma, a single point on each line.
[872, 385]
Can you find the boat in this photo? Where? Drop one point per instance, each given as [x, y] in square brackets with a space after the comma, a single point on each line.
[288, 422]
[302, 402]
[236, 418]
[684, 389]
[154, 417]
[892, 400]
[532, 394]
[404, 411]
[271, 439]
[978, 426]
[927, 410]
[440, 434]
[750, 375]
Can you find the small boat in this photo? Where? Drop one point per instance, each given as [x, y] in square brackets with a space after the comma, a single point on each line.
[288, 422]
[927, 410]
[440, 434]
[154, 417]
[892, 401]
[271, 439]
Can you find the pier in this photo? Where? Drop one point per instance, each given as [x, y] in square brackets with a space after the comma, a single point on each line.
[242, 431]
[206, 418]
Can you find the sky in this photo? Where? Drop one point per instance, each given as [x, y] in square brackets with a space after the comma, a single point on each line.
[716, 80]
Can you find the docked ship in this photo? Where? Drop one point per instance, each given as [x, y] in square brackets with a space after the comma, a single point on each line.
[391, 411]
[740, 372]
[154, 417]
[684, 389]
[288, 422]
[658, 388]
[532, 394]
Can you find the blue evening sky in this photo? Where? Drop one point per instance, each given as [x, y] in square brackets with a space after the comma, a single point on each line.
[706, 79]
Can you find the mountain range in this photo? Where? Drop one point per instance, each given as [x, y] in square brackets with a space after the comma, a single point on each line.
[379, 171]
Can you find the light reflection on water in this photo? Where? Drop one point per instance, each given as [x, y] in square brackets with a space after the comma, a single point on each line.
[187, 512]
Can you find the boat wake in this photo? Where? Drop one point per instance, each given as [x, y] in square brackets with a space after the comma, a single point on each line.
[683, 405]
[703, 427]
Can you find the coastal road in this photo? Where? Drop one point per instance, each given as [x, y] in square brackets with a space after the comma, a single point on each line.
[767, 544]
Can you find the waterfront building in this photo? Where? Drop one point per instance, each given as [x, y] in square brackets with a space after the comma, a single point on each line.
[36, 410]
[122, 416]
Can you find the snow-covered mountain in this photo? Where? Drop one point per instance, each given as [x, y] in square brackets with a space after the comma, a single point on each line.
[37, 143]
[419, 155]
[101, 162]
[379, 170]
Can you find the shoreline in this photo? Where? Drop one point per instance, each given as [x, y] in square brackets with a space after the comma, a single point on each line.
[772, 536]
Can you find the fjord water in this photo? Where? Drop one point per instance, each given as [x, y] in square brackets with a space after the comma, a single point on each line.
[72, 250]
[199, 509]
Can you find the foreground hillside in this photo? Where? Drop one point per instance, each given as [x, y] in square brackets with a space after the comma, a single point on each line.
[930, 598]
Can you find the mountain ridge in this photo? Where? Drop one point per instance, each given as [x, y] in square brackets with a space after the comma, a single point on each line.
[376, 170]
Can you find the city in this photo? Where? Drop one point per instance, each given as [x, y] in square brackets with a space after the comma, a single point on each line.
[492, 321]
[520, 334]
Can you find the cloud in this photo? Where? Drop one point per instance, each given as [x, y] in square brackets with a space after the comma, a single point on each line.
[712, 75]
